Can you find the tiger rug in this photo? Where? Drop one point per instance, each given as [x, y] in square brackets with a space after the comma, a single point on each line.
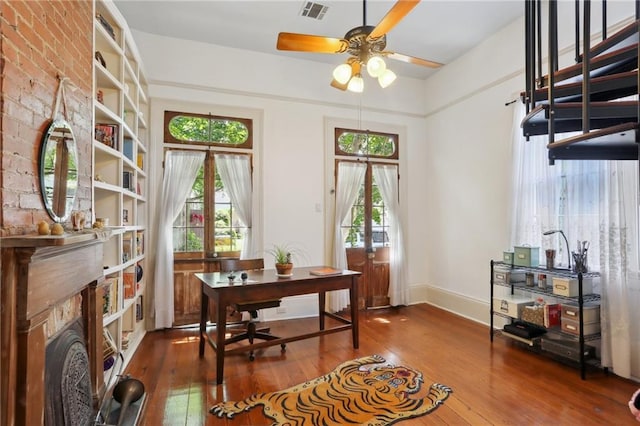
[351, 394]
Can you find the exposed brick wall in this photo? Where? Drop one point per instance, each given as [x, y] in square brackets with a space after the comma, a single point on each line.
[40, 42]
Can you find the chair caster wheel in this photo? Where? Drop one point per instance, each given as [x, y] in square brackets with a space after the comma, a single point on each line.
[284, 347]
[251, 357]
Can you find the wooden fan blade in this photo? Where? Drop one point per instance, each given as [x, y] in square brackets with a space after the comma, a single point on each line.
[393, 16]
[311, 43]
[412, 60]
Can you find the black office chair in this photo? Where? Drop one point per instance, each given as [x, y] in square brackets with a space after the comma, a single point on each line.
[251, 332]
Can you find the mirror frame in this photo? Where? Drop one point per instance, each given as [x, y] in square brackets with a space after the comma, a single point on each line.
[63, 177]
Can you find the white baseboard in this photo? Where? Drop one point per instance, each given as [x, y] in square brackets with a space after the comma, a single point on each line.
[459, 304]
[307, 305]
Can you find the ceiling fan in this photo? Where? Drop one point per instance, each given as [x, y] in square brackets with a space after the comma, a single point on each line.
[366, 45]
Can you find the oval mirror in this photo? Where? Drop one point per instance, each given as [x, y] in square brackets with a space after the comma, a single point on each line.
[59, 170]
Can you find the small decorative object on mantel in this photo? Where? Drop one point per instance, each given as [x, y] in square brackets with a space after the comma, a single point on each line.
[43, 228]
[57, 229]
[77, 220]
[100, 223]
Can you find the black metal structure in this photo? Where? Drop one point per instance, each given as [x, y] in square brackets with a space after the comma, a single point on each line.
[584, 97]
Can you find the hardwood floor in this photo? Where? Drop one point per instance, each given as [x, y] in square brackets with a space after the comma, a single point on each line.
[498, 383]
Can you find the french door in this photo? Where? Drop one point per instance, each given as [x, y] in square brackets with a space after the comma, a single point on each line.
[367, 243]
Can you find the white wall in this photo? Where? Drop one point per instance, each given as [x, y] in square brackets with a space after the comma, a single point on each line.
[290, 113]
[456, 169]
[468, 161]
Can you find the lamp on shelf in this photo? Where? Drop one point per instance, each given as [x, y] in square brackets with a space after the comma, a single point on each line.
[555, 231]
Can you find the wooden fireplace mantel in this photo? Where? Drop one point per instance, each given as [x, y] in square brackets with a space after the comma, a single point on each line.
[38, 273]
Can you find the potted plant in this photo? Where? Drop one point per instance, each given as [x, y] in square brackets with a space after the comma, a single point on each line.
[282, 257]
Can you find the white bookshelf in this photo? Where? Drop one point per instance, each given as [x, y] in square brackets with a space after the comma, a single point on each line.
[119, 177]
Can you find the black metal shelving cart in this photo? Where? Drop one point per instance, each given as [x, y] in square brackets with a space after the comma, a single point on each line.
[581, 299]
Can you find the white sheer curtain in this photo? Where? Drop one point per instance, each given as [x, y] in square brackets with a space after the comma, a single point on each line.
[386, 176]
[350, 178]
[180, 170]
[533, 190]
[620, 301]
[235, 173]
[589, 200]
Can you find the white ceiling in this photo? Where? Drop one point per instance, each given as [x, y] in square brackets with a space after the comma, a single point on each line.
[437, 30]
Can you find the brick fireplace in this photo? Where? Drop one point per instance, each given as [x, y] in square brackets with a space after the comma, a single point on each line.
[48, 284]
[43, 278]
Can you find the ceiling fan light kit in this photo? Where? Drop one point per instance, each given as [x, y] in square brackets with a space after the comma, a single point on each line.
[356, 84]
[386, 78]
[342, 73]
[376, 66]
[365, 44]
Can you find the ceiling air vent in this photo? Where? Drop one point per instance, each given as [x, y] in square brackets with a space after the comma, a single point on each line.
[313, 10]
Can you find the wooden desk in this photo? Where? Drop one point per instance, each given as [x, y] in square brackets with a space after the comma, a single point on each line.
[263, 285]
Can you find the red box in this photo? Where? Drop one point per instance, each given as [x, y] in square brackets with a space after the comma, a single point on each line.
[552, 315]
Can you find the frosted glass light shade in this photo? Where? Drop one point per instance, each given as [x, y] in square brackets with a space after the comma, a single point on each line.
[386, 78]
[342, 73]
[356, 84]
[376, 66]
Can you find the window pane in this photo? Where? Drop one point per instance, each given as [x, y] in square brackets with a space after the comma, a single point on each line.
[366, 144]
[354, 224]
[228, 229]
[179, 239]
[188, 227]
[227, 131]
[379, 219]
[188, 128]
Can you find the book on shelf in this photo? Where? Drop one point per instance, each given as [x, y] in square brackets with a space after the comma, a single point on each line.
[110, 296]
[106, 299]
[107, 134]
[139, 309]
[109, 347]
[126, 247]
[127, 148]
[139, 243]
[128, 285]
[140, 161]
[325, 270]
[127, 180]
